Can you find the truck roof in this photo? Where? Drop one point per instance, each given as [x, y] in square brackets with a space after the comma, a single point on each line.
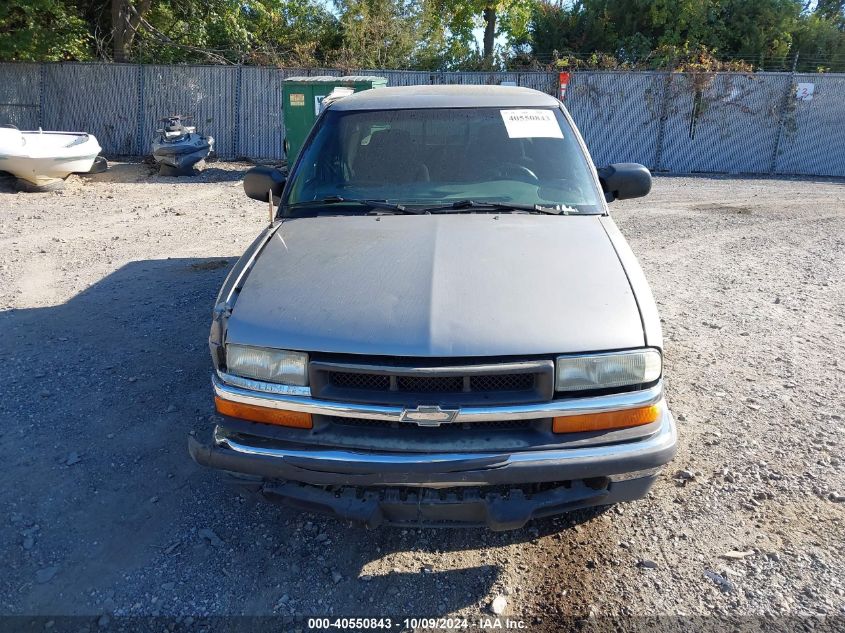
[449, 96]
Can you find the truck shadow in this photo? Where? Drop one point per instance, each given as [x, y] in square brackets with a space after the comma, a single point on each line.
[460, 570]
[98, 397]
[98, 394]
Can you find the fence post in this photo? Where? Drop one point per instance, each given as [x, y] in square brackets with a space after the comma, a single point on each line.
[42, 79]
[140, 130]
[661, 121]
[236, 132]
[784, 106]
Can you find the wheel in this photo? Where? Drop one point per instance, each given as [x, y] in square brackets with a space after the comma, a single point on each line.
[521, 172]
[561, 190]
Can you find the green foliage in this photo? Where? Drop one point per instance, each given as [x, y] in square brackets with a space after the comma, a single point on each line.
[439, 48]
[424, 34]
[657, 33]
[832, 10]
[462, 17]
[433, 34]
[820, 44]
[379, 33]
[42, 30]
[269, 32]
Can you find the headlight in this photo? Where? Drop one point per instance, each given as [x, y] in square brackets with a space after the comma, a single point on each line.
[271, 365]
[606, 371]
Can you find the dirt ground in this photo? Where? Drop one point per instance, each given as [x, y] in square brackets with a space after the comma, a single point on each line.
[106, 292]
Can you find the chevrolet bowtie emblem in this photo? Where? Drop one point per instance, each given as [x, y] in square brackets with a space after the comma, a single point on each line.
[429, 415]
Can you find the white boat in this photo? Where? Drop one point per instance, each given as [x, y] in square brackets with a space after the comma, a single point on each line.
[41, 158]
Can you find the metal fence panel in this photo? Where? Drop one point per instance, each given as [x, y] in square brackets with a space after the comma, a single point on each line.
[402, 77]
[320, 72]
[813, 137]
[679, 123]
[20, 86]
[722, 123]
[476, 78]
[98, 98]
[260, 119]
[618, 114]
[544, 82]
[205, 93]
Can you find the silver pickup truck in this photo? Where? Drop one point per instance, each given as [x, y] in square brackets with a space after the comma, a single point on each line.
[442, 325]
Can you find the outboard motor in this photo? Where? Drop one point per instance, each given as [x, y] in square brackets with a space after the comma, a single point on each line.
[178, 148]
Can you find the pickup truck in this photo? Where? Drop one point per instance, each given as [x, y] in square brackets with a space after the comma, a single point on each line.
[442, 325]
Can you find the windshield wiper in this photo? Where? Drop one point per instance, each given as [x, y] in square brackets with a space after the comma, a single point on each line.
[459, 206]
[476, 205]
[382, 205]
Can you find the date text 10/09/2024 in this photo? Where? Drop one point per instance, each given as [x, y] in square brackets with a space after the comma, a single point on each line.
[433, 624]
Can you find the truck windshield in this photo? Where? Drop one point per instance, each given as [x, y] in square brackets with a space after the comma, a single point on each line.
[430, 157]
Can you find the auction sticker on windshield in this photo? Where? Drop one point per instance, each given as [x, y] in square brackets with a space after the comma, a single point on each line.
[531, 124]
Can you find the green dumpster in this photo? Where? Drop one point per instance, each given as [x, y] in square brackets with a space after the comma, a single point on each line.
[301, 104]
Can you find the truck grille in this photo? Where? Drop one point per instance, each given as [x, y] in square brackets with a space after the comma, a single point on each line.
[504, 425]
[367, 382]
[456, 385]
[502, 382]
[434, 384]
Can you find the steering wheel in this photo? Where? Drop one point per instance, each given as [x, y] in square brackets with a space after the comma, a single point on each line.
[521, 172]
[565, 189]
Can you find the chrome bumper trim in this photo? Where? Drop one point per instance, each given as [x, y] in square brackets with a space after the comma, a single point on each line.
[569, 406]
[636, 474]
[263, 387]
[609, 459]
[520, 367]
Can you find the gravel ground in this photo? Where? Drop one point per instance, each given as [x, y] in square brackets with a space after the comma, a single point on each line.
[106, 291]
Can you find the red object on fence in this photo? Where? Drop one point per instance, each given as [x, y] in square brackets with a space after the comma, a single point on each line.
[563, 78]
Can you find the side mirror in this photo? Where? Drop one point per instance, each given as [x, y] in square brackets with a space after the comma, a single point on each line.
[624, 180]
[261, 180]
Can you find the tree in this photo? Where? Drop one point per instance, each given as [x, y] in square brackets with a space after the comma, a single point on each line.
[42, 30]
[276, 32]
[819, 43]
[831, 10]
[378, 33]
[430, 34]
[126, 18]
[508, 18]
[757, 31]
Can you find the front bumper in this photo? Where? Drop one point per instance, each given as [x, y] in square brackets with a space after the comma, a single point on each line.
[432, 488]
[329, 467]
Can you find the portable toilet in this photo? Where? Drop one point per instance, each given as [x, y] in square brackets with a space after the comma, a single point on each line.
[301, 104]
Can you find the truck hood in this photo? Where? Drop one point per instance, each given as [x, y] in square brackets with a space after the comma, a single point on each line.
[438, 286]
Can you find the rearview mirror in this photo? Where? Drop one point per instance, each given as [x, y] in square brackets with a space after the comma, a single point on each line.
[261, 180]
[621, 181]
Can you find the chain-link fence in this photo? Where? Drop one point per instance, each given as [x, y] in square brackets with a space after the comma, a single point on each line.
[763, 123]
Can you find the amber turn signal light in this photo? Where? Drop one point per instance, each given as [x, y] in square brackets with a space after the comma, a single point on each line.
[607, 420]
[265, 415]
